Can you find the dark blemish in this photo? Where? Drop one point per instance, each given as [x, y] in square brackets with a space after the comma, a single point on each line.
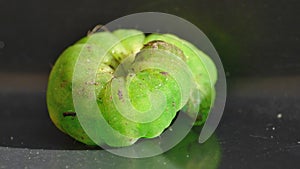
[173, 104]
[120, 94]
[69, 114]
[82, 138]
[199, 117]
[63, 84]
[111, 67]
[89, 48]
[164, 73]
[91, 83]
[154, 43]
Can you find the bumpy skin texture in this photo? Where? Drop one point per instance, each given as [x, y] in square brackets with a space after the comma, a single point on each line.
[139, 57]
[203, 69]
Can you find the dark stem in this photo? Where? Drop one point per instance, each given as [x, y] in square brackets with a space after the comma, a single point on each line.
[96, 29]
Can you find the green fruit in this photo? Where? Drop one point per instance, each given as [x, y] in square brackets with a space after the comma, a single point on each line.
[204, 72]
[140, 85]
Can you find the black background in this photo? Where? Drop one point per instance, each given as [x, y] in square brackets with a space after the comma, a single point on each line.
[258, 42]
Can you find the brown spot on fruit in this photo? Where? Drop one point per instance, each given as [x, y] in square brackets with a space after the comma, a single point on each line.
[120, 94]
[154, 44]
[164, 73]
[173, 104]
[63, 84]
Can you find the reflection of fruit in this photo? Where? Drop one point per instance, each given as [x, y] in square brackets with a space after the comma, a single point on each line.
[139, 71]
[190, 154]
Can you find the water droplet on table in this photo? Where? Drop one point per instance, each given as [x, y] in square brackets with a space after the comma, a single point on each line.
[279, 115]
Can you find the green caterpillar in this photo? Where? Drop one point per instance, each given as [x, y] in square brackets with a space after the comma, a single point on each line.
[140, 85]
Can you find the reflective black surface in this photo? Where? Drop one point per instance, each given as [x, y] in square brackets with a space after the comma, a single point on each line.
[258, 42]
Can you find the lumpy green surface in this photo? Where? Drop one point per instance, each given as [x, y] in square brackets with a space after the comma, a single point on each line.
[137, 75]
